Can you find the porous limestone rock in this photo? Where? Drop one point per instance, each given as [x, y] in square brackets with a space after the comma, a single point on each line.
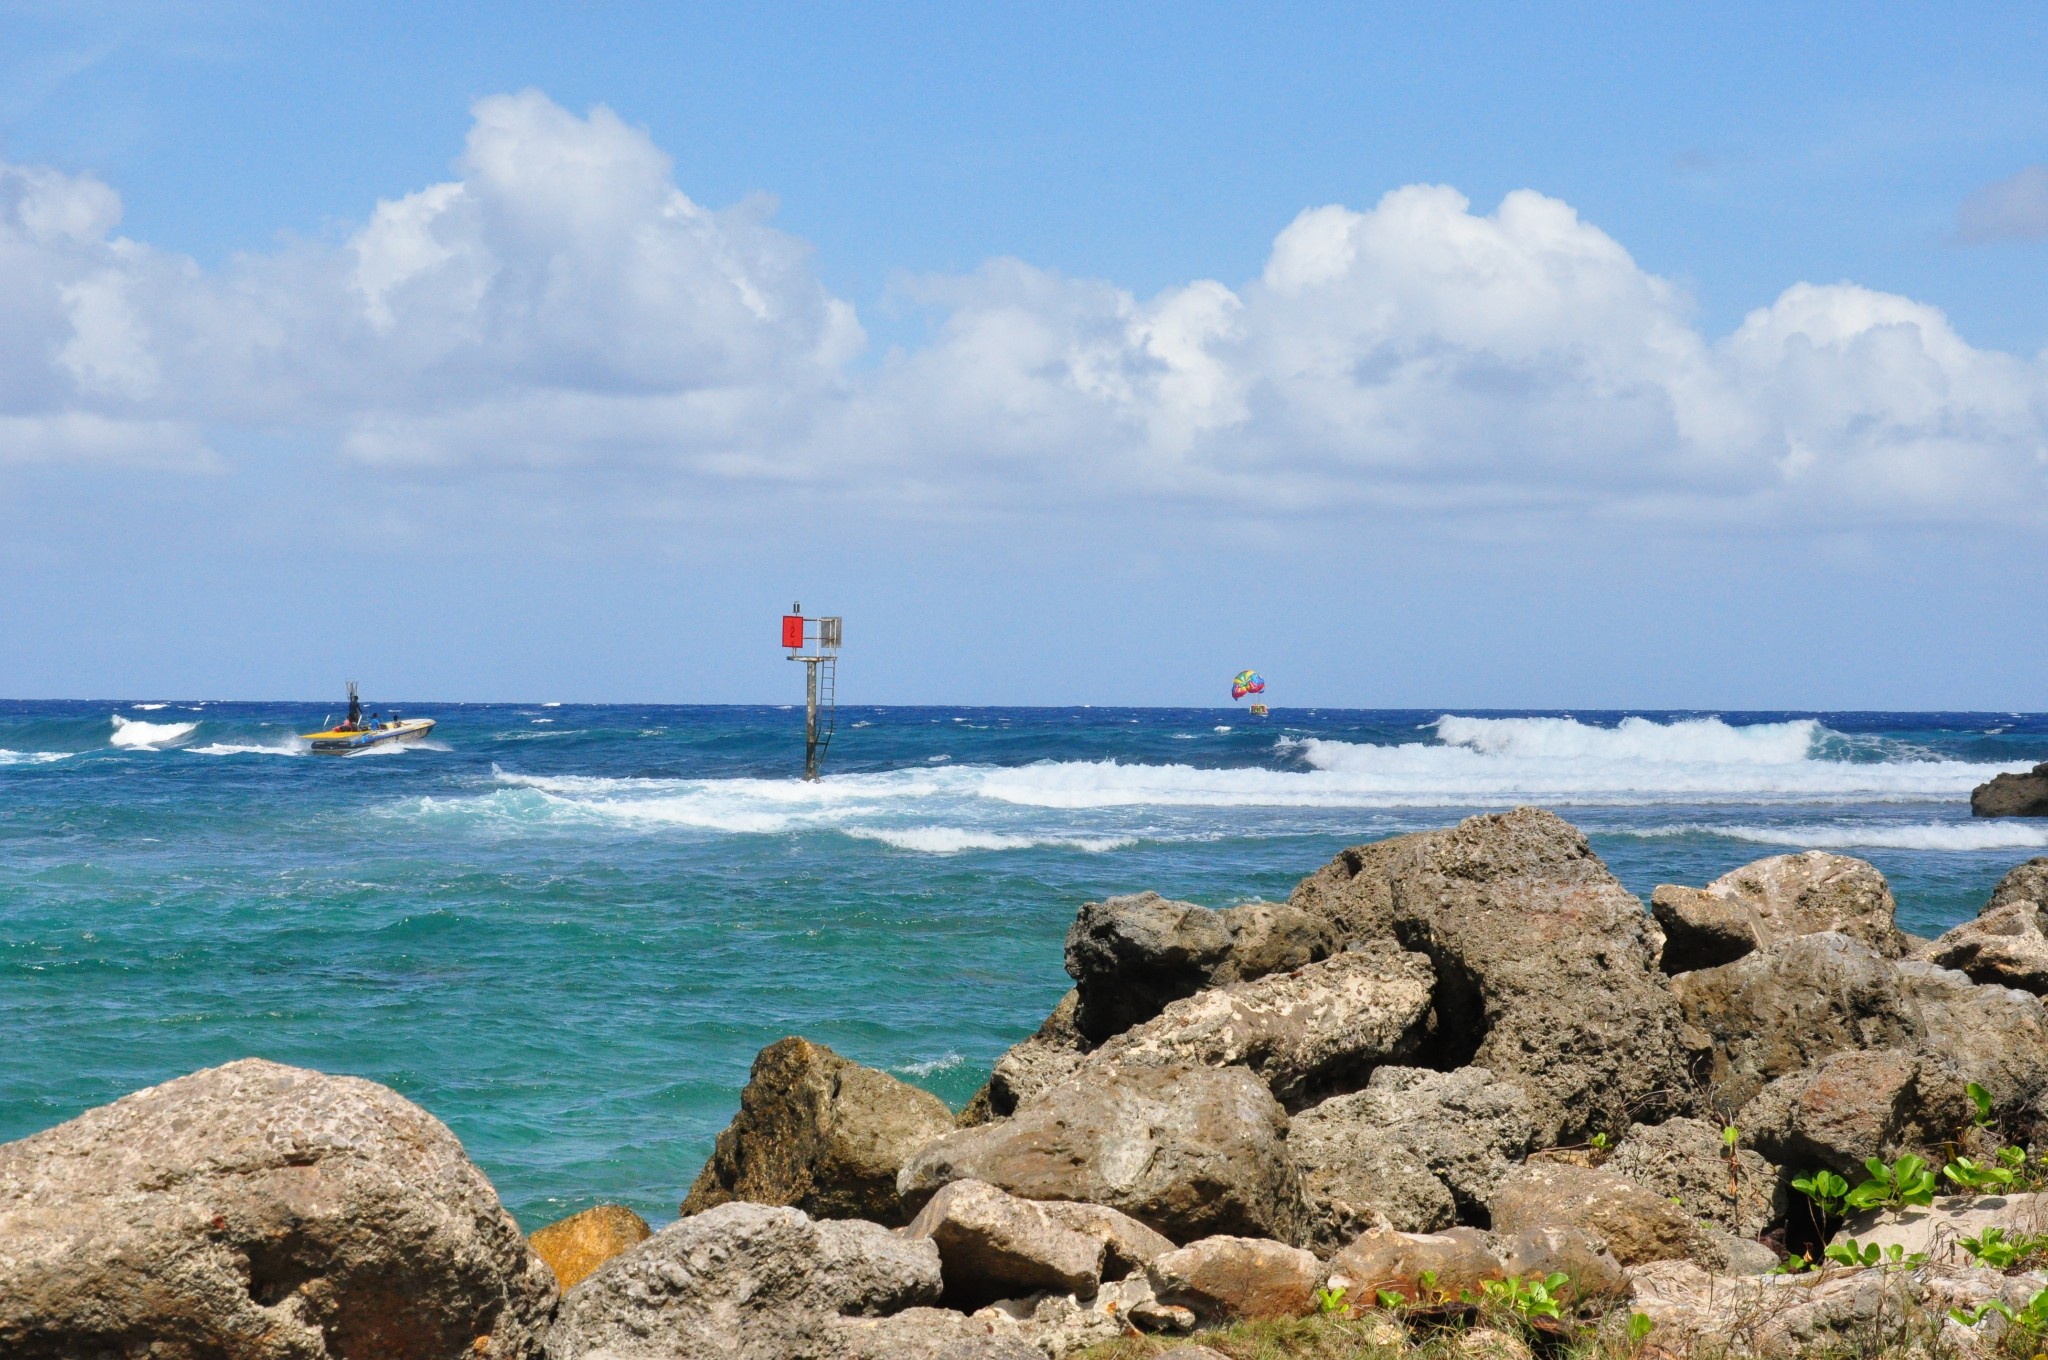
[751, 1282]
[262, 1212]
[2026, 882]
[580, 1243]
[1834, 1312]
[1225, 1278]
[2005, 946]
[1129, 1246]
[993, 1245]
[2012, 794]
[1318, 1027]
[1415, 1146]
[1937, 1229]
[1589, 1268]
[1685, 1159]
[1775, 899]
[820, 1133]
[1188, 1151]
[1545, 964]
[1458, 1260]
[1788, 1005]
[1852, 1106]
[1631, 1222]
[1130, 956]
[1995, 1036]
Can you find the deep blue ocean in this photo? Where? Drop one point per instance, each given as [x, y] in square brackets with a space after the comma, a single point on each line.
[565, 930]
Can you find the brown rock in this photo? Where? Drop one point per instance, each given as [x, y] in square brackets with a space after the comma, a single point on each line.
[1545, 964]
[1852, 1106]
[1221, 1278]
[1129, 1245]
[259, 1212]
[1790, 1004]
[581, 1243]
[993, 1245]
[2012, 795]
[1592, 1271]
[1189, 1152]
[1322, 1026]
[1130, 956]
[1685, 1160]
[1633, 1224]
[820, 1133]
[1458, 1259]
[1775, 899]
[2007, 946]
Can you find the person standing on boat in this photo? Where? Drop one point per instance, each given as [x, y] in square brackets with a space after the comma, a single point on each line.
[355, 710]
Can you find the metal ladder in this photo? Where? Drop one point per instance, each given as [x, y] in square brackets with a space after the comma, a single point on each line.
[828, 707]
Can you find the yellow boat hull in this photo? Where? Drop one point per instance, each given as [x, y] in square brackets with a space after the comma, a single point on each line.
[339, 741]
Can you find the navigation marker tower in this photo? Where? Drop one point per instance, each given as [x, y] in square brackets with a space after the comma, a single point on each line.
[821, 666]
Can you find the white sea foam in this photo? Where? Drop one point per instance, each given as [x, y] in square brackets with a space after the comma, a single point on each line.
[135, 735]
[290, 746]
[554, 704]
[1991, 835]
[149, 708]
[953, 840]
[30, 757]
[931, 1066]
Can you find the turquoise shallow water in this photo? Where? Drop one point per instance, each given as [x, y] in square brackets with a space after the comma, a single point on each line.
[567, 930]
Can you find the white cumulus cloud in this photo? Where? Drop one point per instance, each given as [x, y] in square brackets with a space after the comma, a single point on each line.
[561, 303]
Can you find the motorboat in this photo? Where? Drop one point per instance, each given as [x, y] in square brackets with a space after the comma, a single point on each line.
[357, 733]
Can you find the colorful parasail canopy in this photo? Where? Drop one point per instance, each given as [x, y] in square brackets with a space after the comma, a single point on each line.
[1247, 682]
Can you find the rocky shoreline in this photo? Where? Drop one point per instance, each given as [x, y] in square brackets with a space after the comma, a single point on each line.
[1461, 1089]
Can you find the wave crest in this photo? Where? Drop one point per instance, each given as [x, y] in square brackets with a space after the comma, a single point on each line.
[132, 734]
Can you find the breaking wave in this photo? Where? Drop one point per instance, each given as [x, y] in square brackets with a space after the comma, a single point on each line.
[30, 757]
[1965, 836]
[952, 840]
[135, 735]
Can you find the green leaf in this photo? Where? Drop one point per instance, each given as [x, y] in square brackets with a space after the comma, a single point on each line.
[1639, 1327]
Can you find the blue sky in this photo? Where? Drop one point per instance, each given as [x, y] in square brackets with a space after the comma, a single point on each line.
[1453, 355]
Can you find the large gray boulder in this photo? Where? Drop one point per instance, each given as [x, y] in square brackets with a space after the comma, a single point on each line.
[2012, 795]
[749, 1282]
[2007, 943]
[1685, 1160]
[1995, 1036]
[1774, 899]
[1415, 1148]
[1454, 1262]
[261, 1212]
[1546, 966]
[2006, 946]
[1785, 1007]
[993, 1245]
[1131, 956]
[1632, 1222]
[1852, 1106]
[1188, 1151]
[820, 1133]
[1320, 1027]
[1225, 1278]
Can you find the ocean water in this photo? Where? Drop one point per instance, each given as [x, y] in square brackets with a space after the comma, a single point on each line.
[566, 930]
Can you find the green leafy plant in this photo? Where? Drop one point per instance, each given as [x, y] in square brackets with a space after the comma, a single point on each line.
[1828, 1192]
[2032, 1319]
[1792, 1265]
[1598, 1142]
[1996, 1248]
[1894, 1185]
[1390, 1300]
[1530, 1297]
[1730, 1135]
[1981, 1098]
[1639, 1327]
[1330, 1300]
[1980, 1176]
[1852, 1253]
